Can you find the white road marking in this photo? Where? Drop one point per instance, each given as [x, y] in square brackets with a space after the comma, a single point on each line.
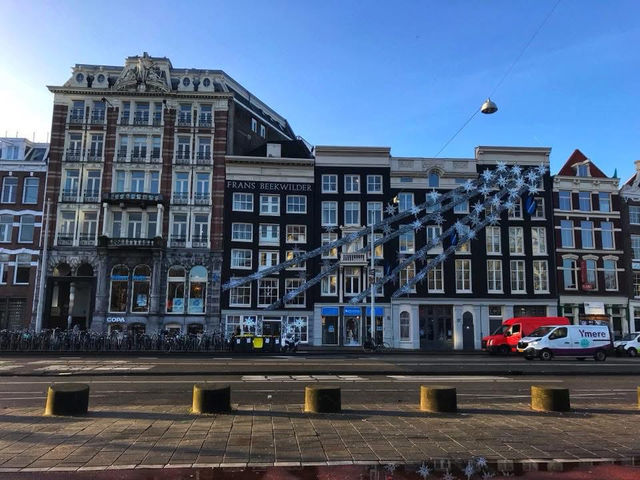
[302, 378]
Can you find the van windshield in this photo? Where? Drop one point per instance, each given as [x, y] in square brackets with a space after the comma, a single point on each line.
[541, 331]
[501, 329]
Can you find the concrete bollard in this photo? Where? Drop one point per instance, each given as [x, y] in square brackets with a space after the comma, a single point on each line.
[438, 399]
[550, 399]
[322, 399]
[211, 398]
[67, 399]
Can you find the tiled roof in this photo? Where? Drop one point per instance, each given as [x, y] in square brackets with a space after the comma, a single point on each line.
[578, 157]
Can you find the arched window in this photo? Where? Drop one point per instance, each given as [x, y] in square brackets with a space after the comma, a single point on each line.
[405, 321]
[434, 179]
[84, 270]
[197, 289]
[62, 270]
[175, 289]
[119, 287]
[141, 289]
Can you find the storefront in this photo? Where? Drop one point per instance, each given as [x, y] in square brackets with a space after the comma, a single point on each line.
[612, 311]
[350, 326]
[272, 324]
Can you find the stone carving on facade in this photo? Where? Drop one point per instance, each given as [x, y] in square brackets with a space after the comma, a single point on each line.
[74, 261]
[142, 76]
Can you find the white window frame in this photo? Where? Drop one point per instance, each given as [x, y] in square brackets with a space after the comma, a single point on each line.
[294, 232]
[332, 180]
[539, 234]
[351, 181]
[240, 199]
[354, 221]
[374, 181]
[592, 236]
[435, 279]
[580, 201]
[290, 254]
[25, 188]
[329, 207]
[520, 277]
[490, 234]
[494, 275]
[568, 198]
[407, 274]
[234, 264]
[515, 213]
[326, 282]
[234, 293]
[634, 214]
[463, 275]
[407, 242]
[374, 209]
[327, 238]
[298, 204]
[271, 240]
[573, 271]
[269, 207]
[539, 207]
[540, 276]
[33, 226]
[404, 323]
[610, 232]
[234, 232]
[615, 272]
[516, 241]
[262, 284]
[570, 230]
[299, 300]
[268, 259]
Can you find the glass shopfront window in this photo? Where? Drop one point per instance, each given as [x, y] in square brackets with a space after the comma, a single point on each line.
[330, 325]
[175, 290]
[352, 321]
[378, 331]
[119, 287]
[141, 289]
[197, 289]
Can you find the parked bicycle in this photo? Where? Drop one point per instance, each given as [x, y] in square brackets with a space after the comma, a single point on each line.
[370, 345]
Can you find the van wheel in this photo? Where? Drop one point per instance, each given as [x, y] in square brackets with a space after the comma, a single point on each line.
[546, 354]
[632, 352]
[504, 350]
[600, 356]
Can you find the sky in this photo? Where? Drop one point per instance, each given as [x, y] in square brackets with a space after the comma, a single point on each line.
[403, 74]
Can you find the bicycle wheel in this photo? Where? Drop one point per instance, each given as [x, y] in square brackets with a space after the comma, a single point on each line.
[385, 346]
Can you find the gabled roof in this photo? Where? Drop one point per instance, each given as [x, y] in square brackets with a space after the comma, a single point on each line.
[578, 157]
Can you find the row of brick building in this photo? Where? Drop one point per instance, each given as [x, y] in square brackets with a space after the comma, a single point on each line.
[164, 183]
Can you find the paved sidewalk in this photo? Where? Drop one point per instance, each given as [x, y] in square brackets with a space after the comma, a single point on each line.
[509, 436]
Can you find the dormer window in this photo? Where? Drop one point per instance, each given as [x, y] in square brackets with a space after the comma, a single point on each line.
[582, 170]
[434, 179]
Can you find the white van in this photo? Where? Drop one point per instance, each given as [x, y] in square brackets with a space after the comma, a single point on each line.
[629, 344]
[569, 341]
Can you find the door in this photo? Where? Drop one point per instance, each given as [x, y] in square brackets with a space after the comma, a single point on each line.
[559, 341]
[468, 337]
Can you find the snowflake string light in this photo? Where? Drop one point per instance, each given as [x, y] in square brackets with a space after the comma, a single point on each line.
[448, 476]
[469, 185]
[519, 182]
[433, 196]
[330, 228]
[495, 201]
[302, 275]
[501, 166]
[481, 462]
[509, 204]
[484, 190]
[478, 207]
[415, 210]
[533, 189]
[502, 181]
[516, 170]
[386, 229]
[326, 264]
[469, 470]
[475, 220]
[422, 253]
[487, 475]
[471, 234]
[458, 226]
[493, 219]
[390, 209]
[438, 219]
[417, 225]
[542, 169]
[390, 467]
[531, 176]
[487, 175]
[424, 471]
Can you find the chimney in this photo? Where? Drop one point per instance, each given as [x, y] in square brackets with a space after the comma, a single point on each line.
[274, 150]
[637, 164]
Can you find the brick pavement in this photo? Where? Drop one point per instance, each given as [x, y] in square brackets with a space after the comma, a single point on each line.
[282, 435]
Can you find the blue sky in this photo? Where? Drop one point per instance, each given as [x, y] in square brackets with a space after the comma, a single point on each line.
[404, 74]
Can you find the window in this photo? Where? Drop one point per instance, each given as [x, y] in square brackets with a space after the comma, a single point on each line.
[242, 202]
[634, 214]
[134, 225]
[540, 276]
[374, 213]
[606, 230]
[155, 148]
[296, 204]
[89, 228]
[263, 131]
[434, 179]
[636, 285]
[22, 270]
[296, 234]
[197, 289]
[327, 238]
[351, 280]
[635, 245]
[405, 326]
[181, 188]
[378, 250]
[269, 234]
[463, 275]
[405, 201]
[179, 230]
[254, 125]
[92, 186]
[67, 227]
[494, 245]
[240, 258]
[570, 274]
[202, 187]
[204, 148]
[407, 242]
[566, 233]
[119, 287]
[6, 228]
[516, 241]
[240, 296]
[352, 183]
[26, 229]
[9, 189]
[539, 211]
[462, 207]
[605, 201]
[352, 213]
[291, 285]
[299, 327]
[435, 279]
[141, 289]
[464, 248]
[290, 254]
[592, 275]
[137, 181]
[584, 201]
[564, 197]
[267, 291]
[515, 213]
[241, 232]
[184, 149]
[494, 276]
[139, 148]
[329, 184]
[539, 240]
[329, 213]
[407, 274]
[4, 273]
[433, 237]
[329, 284]
[582, 170]
[200, 235]
[517, 276]
[586, 234]
[119, 181]
[95, 147]
[374, 183]
[30, 192]
[610, 275]
[269, 204]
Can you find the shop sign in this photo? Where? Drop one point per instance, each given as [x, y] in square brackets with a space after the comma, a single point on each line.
[178, 305]
[594, 308]
[330, 311]
[352, 311]
[269, 186]
[379, 311]
[116, 320]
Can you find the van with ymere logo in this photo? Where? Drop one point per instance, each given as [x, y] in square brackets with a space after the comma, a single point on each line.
[579, 341]
[505, 339]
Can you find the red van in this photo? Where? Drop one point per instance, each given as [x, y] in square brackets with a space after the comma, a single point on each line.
[505, 339]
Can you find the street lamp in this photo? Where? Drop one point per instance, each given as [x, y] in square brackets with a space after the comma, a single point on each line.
[489, 107]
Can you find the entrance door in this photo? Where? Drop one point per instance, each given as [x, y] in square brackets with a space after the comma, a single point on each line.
[436, 327]
[378, 332]
[329, 330]
[352, 330]
[468, 337]
[271, 327]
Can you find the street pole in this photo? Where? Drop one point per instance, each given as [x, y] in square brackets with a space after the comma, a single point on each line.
[372, 281]
[43, 269]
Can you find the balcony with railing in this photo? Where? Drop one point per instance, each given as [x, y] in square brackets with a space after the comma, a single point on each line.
[178, 241]
[129, 242]
[183, 158]
[353, 258]
[138, 198]
[199, 241]
[64, 239]
[87, 239]
[155, 156]
[183, 120]
[180, 198]
[121, 155]
[141, 118]
[73, 155]
[69, 195]
[94, 156]
[205, 121]
[97, 117]
[203, 158]
[76, 116]
[202, 198]
[91, 196]
[139, 157]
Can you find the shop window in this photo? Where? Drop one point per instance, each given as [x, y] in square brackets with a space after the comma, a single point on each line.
[298, 325]
[175, 289]
[141, 289]
[119, 287]
[405, 324]
[197, 289]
